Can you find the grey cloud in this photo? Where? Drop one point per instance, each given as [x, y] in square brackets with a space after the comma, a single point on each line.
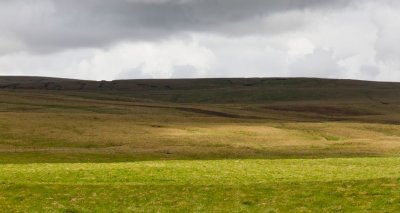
[369, 71]
[100, 39]
[320, 63]
[135, 73]
[51, 25]
[185, 72]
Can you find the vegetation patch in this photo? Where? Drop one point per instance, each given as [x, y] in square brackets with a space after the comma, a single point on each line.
[323, 110]
[326, 185]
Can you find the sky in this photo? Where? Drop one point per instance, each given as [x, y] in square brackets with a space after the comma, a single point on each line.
[140, 39]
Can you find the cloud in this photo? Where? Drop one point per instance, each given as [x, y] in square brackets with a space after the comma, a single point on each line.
[126, 60]
[102, 39]
[320, 63]
[53, 25]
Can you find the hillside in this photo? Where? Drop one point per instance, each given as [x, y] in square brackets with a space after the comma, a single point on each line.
[196, 118]
[213, 145]
[251, 90]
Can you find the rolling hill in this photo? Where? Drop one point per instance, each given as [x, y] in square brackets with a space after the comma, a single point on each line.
[209, 145]
[197, 118]
[249, 90]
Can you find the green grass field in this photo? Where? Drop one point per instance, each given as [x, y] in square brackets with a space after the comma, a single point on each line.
[355, 184]
[218, 145]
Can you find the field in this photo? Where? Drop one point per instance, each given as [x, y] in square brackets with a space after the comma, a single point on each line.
[357, 184]
[206, 145]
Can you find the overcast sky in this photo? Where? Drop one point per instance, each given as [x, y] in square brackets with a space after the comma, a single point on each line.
[120, 39]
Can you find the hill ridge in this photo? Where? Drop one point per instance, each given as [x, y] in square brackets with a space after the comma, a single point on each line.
[219, 90]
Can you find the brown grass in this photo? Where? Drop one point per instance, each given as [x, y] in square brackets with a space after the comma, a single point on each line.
[83, 123]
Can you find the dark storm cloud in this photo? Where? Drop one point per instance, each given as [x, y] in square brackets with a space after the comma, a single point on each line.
[51, 25]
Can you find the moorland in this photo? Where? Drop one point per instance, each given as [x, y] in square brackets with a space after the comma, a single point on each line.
[203, 145]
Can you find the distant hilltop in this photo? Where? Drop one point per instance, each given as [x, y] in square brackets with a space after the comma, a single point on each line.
[220, 90]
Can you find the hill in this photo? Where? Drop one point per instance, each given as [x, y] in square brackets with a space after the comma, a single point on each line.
[196, 118]
[249, 90]
[199, 144]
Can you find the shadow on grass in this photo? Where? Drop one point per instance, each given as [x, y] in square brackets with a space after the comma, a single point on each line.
[46, 157]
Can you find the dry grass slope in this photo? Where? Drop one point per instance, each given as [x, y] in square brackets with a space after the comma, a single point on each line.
[131, 121]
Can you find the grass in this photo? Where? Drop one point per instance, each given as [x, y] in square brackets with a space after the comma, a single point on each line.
[329, 185]
[222, 145]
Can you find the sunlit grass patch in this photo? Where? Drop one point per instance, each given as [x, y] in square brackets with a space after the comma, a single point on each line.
[328, 185]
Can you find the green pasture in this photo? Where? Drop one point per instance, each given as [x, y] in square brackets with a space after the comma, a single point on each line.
[282, 185]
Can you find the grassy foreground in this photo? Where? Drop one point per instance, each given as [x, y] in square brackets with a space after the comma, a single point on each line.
[309, 185]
